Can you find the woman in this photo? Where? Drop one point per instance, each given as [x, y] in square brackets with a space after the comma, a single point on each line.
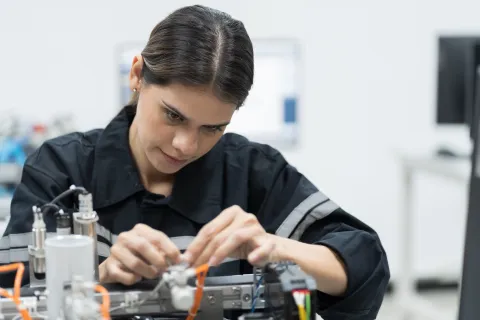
[166, 180]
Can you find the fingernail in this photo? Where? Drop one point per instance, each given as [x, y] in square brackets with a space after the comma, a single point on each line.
[212, 261]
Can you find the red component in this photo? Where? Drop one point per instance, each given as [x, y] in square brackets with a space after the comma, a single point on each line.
[39, 128]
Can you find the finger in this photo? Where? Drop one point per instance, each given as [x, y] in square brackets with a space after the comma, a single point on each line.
[133, 263]
[117, 273]
[148, 252]
[209, 231]
[162, 242]
[262, 255]
[212, 246]
[236, 239]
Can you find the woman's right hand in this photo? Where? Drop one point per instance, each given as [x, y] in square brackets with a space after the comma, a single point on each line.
[142, 252]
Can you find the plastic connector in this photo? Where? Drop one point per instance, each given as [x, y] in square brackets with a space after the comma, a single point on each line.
[182, 297]
[299, 298]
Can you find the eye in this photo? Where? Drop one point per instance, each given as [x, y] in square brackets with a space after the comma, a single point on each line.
[172, 116]
[214, 129]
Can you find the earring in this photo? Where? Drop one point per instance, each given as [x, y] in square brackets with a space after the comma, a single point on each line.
[134, 89]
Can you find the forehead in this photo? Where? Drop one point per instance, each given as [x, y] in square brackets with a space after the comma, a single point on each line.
[198, 104]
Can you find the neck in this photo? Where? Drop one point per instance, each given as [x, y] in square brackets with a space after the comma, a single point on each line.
[149, 175]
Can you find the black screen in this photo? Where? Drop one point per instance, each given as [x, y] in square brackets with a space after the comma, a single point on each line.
[457, 60]
[470, 288]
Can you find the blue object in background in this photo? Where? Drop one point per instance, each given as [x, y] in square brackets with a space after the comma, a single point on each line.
[290, 110]
[5, 192]
[11, 151]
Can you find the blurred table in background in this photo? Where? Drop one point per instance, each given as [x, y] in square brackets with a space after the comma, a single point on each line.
[457, 170]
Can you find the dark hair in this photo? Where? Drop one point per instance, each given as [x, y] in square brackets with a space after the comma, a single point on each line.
[200, 46]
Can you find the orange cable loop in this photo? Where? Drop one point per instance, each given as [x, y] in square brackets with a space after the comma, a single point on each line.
[105, 306]
[20, 268]
[201, 272]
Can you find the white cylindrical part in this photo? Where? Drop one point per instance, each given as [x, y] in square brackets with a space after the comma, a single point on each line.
[67, 256]
[182, 297]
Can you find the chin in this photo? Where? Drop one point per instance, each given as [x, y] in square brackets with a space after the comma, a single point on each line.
[167, 169]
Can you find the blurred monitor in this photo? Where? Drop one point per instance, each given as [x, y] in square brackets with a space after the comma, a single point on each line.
[475, 106]
[469, 308]
[473, 92]
[458, 58]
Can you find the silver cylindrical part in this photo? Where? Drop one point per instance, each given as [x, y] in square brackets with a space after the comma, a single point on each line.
[38, 243]
[64, 223]
[67, 257]
[87, 227]
[39, 263]
[85, 203]
[84, 223]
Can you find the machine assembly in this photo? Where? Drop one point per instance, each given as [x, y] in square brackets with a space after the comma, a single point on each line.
[64, 273]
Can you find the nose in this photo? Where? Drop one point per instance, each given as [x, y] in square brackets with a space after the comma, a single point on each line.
[186, 142]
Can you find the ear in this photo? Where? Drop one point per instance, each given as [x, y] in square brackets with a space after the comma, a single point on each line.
[136, 72]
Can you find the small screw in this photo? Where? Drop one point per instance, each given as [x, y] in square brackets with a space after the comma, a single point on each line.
[211, 299]
[246, 297]
[162, 305]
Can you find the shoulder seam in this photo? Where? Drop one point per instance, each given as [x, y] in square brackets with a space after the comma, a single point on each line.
[71, 141]
[245, 145]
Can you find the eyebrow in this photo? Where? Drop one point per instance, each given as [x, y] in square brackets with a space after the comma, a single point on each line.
[172, 108]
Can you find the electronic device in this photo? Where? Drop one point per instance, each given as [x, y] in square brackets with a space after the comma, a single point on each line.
[455, 79]
[469, 308]
[458, 60]
[64, 274]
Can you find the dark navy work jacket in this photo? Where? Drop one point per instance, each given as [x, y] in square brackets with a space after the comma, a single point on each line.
[236, 171]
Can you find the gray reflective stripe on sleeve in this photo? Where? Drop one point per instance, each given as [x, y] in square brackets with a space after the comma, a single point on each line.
[14, 255]
[13, 248]
[21, 254]
[291, 222]
[103, 249]
[180, 242]
[25, 239]
[103, 232]
[319, 212]
[18, 240]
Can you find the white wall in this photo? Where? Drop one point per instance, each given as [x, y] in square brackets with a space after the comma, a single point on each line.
[368, 89]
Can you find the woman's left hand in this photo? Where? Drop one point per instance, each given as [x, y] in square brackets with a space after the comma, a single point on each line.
[233, 234]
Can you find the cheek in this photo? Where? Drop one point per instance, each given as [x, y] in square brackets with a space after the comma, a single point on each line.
[150, 129]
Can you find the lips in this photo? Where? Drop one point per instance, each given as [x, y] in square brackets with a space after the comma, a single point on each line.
[174, 160]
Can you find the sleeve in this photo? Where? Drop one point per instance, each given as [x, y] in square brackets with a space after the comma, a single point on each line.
[41, 182]
[291, 206]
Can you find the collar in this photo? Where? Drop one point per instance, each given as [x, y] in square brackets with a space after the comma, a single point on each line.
[196, 193]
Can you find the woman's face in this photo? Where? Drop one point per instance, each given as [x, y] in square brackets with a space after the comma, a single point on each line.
[177, 124]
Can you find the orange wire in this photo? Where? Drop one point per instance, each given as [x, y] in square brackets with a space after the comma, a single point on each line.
[105, 307]
[17, 284]
[16, 287]
[201, 272]
[18, 277]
